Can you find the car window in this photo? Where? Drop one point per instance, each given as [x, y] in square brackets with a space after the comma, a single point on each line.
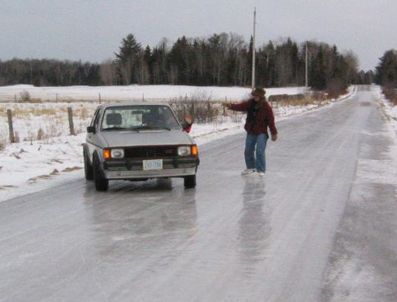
[94, 118]
[136, 117]
[97, 118]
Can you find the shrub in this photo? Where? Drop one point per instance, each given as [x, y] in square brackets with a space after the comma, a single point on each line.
[40, 134]
[390, 93]
[202, 110]
[335, 88]
[25, 96]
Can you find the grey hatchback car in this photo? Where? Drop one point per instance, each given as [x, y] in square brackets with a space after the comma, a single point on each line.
[138, 142]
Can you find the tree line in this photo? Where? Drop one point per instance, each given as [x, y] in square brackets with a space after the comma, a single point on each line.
[47, 72]
[221, 60]
[386, 75]
[386, 71]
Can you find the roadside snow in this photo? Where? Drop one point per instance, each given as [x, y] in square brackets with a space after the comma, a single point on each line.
[389, 109]
[383, 171]
[365, 247]
[32, 165]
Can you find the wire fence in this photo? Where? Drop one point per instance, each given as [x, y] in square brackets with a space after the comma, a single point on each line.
[30, 121]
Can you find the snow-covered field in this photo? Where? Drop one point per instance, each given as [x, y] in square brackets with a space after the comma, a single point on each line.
[133, 92]
[49, 116]
[32, 164]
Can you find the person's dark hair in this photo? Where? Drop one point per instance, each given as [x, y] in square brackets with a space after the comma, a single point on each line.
[258, 92]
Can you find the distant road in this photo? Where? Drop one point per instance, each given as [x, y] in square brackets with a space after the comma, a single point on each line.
[318, 227]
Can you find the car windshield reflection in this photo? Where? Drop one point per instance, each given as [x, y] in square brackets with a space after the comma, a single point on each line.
[153, 117]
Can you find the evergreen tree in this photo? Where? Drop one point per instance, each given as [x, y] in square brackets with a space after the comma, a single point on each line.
[386, 71]
[318, 78]
[128, 59]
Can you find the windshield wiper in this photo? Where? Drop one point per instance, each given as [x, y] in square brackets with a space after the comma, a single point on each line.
[115, 128]
[149, 127]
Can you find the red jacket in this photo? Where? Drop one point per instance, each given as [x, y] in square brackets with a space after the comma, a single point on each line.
[259, 117]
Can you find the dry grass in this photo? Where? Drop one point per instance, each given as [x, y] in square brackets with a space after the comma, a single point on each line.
[205, 111]
[16, 137]
[298, 102]
[47, 121]
[202, 111]
[19, 112]
[40, 134]
[3, 144]
[33, 101]
[53, 121]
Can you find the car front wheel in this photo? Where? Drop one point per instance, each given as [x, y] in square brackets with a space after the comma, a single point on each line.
[190, 181]
[101, 183]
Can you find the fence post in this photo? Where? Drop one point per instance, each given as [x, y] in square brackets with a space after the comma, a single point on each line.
[193, 109]
[71, 125]
[10, 126]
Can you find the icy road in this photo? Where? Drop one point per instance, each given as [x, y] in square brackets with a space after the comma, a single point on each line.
[321, 226]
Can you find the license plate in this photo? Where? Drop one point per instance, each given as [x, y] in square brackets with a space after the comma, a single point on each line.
[153, 164]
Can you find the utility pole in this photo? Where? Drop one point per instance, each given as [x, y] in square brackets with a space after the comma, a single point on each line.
[31, 71]
[253, 52]
[306, 70]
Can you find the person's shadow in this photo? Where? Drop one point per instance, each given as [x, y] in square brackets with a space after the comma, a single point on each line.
[254, 227]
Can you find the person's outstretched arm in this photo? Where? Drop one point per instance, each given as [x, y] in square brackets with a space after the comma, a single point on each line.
[243, 106]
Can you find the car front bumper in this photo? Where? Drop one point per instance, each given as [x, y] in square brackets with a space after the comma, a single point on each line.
[133, 168]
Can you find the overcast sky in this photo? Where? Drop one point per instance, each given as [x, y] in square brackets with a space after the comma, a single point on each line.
[91, 30]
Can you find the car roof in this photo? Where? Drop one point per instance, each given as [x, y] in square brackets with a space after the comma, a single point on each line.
[129, 104]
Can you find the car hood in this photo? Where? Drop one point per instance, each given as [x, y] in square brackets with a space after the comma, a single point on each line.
[146, 138]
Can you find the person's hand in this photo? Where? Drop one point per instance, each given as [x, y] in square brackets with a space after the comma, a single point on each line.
[188, 119]
[274, 137]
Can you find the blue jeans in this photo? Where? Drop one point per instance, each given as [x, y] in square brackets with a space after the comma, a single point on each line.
[257, 162]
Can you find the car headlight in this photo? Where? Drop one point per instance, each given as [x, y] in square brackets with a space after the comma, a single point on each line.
[184, 151]
[117, 153]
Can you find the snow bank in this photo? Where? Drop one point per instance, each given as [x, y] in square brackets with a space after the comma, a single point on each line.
[389, 109]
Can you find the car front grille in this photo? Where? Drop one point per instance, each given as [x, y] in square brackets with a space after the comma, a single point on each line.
[151, 152]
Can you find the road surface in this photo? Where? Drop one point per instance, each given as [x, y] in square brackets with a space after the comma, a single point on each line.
[316, 228]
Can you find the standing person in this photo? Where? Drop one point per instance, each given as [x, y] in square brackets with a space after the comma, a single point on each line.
[259, 117]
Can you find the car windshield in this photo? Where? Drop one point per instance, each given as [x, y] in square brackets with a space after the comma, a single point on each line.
[142, 117]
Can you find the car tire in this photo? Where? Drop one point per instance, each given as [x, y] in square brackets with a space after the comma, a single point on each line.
[101, 183]
[88, 169]
[190, 181]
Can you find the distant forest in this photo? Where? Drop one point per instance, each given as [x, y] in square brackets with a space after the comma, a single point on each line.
[221, 60]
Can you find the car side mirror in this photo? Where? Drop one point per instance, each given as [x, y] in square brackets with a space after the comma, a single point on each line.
[187, 123]
[91, 129]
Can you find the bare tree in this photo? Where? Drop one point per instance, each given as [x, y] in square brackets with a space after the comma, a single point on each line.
[108, 72]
